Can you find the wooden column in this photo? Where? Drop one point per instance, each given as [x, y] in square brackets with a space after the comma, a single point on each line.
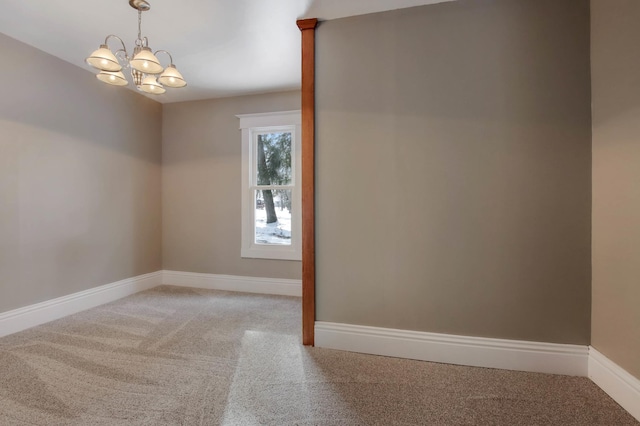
[308, 28]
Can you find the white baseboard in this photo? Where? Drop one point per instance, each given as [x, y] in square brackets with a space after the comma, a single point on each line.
[278, 286]
[519, 355]
[50, 310]
[615, 381]
[40, 313]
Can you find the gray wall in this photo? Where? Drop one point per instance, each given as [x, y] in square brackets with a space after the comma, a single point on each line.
[79, 179]
[201, 178]
[453, 170]
[616, 181]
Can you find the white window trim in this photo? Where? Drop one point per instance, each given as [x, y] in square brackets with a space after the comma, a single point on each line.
[249, 125]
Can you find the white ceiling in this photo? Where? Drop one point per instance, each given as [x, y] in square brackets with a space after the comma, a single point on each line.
[222, 47]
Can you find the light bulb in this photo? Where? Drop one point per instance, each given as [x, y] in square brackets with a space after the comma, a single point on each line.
[104, 60]
[115, 78]
[171, 77]
[146, 62]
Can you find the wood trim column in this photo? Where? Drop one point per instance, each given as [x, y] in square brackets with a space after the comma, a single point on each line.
[308, 29]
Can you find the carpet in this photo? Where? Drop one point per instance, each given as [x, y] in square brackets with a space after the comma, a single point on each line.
[178, 356]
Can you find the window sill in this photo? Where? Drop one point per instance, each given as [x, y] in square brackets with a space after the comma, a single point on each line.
[274, 253]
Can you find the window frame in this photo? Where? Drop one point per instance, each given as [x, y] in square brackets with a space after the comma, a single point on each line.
[251, 125]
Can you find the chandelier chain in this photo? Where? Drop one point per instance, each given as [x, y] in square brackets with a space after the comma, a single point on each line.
[139, 24]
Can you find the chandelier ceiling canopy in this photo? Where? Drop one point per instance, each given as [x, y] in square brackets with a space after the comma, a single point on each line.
[146, 71]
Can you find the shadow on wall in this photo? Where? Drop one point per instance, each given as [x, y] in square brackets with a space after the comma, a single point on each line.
[482, 73]
[45, 92]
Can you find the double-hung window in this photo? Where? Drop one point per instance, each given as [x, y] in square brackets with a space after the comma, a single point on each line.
[271, 199]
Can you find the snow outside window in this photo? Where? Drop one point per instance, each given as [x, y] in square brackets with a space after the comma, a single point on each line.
[271, 200]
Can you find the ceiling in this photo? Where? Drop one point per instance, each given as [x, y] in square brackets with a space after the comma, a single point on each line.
[222, 47]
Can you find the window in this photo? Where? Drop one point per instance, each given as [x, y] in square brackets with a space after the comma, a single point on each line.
[271, 217]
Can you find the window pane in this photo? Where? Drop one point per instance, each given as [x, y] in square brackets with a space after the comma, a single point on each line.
[274, 158]
[273, 217]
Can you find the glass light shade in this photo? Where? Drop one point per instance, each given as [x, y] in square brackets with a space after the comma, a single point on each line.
[171, 77]
[150, 85]
[104, 60]
[114, 78]
[145, 61]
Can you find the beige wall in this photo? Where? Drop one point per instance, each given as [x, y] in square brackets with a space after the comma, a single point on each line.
[453, 170]
[616, 181]
[79, 179]
[201, 186]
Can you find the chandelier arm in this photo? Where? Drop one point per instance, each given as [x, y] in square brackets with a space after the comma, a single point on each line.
[164, 51]
[124, 48]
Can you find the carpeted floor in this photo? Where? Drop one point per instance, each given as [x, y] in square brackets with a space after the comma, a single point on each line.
[174, 356]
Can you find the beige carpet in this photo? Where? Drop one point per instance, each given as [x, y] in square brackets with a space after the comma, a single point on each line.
[173, 356]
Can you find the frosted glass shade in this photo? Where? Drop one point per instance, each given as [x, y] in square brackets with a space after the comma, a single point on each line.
[104, 60]
[150, 85]
[114, 78]
[171, 77]
[145, 61]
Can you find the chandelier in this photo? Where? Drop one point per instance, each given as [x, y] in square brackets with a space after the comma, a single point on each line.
[144, 64]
